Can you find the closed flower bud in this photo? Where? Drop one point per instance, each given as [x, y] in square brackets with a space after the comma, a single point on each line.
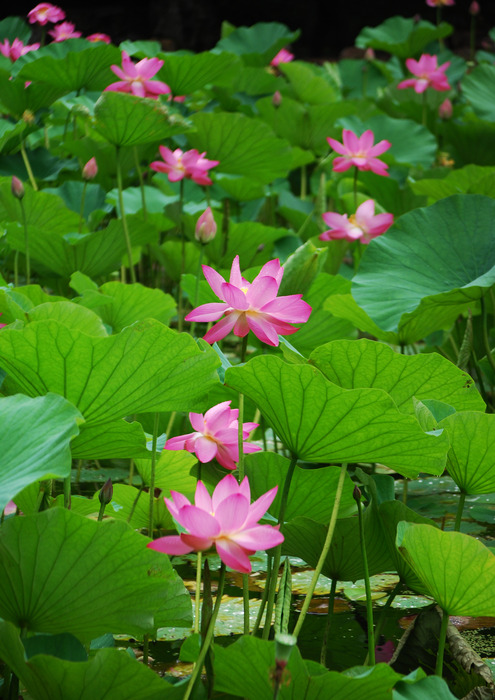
[356, 494]
[17, 187]
[206, 227]
[474, 8]
[369, 54]
[106, 493]
[276, 99]
[90, 170]
[284, 644]
[445, 109]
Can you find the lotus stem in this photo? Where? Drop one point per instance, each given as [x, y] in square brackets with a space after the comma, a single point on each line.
[384, 613]
[367, 586]
[196, 287]
[27, 165]
[331, 599]
[304, 181]
[152, 474]
[67, 493]
[81, 211]
[141, 181]
[208, 637]
[355, 186]
[278, 549]
[264, 596]
[424, 110]
[324, 551]
[486, 340]
[180, 307]
[460, 509]
[197, 595]
[123, 216]
[441, 643]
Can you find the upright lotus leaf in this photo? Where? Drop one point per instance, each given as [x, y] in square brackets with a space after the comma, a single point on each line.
[243, 146]
[72, 67]
[115, 440]
[258, 44]
[444, 251]
[471, 458]
[17, 99]
[364, 363]
[252, 241]
[312, 491]
[173, 471]
[36, 435]
[471, 140]
[126, 120]
[184, 74]
[71, 315]
[472, 179]
[71, 192]
[402, 37]
[110, 673]
[311, 83]
[344, 306]
[146, 367]
[245, 669]
[61, 572]
[455, 569]
[477, 86]
[15, 27]
[320, 422]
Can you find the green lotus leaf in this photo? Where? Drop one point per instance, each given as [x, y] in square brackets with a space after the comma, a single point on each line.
[185, 74]
[455, 569]
[310, 83]
[17, 98]
[402, 37]
[71, 315]
[15, 27]
[56, 566]
[477, 86]
[258, 44]
[469, 141]
[443, 252]
[320, 422]
[472, 179]
[363, 363]
[173, 471]
[251, 241]
[471, 460]
[36, 435]
[146, 367]
[114, 440]
[243, 146]
[71, 192]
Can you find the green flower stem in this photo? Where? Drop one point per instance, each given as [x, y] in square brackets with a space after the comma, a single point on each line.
[133, 507]
[331, 599]
[26, 243]
[441, 643]
[369, 602]
[123, 216]
[324, 551]
[264, 597]
[197, 595]
[101, 512]
[460, 509]
[146, 648]
[241, 473]
[304, 181]
[141, 181]
[67, 493]
[16, 268]
[81, 211]
[384, 614]
[424, 110]
[486, 340]
[355, 186]
[276, 557]
[180, 303]
[196, 287]
[208, 637]
[152, 475]
[27, 165]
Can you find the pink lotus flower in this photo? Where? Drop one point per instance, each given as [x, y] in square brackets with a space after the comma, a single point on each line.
[98, 36]
[428, 73]
[363, 225]
[179, 165]
[226, 520]
[44, 13]
[216, 436]
[283, 56]
[90, 170]
[359, 151]
[16, 49]
[136, 78]
[446, 109]
[64, 31]
[251, 306]
[439, 3]
[206, 227]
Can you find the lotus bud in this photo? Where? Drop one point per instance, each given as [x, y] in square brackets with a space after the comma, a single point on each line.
[276, 99]
[106, 493]
[17, 188]
[284, 644]
[302, 267]
[356, 494]
[474, 8]
[445, 109]
[206, 228]
[369, 54]
[90, 170]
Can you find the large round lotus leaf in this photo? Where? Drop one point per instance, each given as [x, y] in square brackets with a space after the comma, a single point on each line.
[445, 251]
[471, 458]
[477, 86]
[455, 569]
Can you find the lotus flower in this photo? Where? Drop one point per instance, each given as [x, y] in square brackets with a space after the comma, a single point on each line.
[206, 227]
[16, 49]
[359, 151]
[428, 74]
[283, 56]
[136, 78]
[439, 3]
[363, 225]
[216, 436]
[63, 31]
[44, 13]
[179, 165]
[226, 520]
[98, 36]
[90, 170]
[251, 306]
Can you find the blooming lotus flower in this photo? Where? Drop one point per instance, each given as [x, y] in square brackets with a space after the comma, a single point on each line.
[226, 520]
[179, 165]
[98, 36]
[44, 13]
[363, 225]
[63, 31]
[283, 56]
[359, 151]
[16, 49]
[428, 73]
[216, 436]
[251, 306]
[136, 77]
[206, 227]
[439, 3]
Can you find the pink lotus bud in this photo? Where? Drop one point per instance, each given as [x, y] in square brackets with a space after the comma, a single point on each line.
[474, 8]
[369, 54]
[17, 188]
[90, 170]
[276, 99]
[206, 227]
[445, 109]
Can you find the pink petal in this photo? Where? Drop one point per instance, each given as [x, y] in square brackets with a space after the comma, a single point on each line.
[235, 297]
[218, 417]
[258, 509]
[334, 220]
[366, 140]
[197, 542]
[263, 290]
[225, 488]
[272, 269]
[377, 166]
[233, 555]
[202, 498]
[215, 280]
[235, 273]
[177, 443]
[291, 309]
[258, 538]
[197, 422]
[172, 544]
[263, 329]
[380, 148]
[340, 165]
[351, 141]
[232, 512]
[222, 328]
[205, 449]
[207, 312]
[365, 211]
[227, 456]
[241, 327]
[198, 522]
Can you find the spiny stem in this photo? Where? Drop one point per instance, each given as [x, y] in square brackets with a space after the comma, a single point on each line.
[81, 211]
[369, 602]
[67, 494]
[123, 216]
[141, 181]
[152, 474]
[324, 551]
[441, 643]
[264, 596]
[27, 165]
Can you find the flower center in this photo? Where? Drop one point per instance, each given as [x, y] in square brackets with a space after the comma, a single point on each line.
[244, 289]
